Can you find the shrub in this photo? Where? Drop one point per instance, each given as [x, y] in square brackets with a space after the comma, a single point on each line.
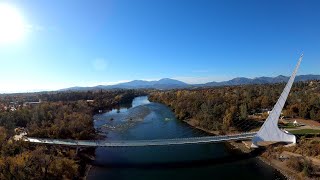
[295, 164]
[307, 168]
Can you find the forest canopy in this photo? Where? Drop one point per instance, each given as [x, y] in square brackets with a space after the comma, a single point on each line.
[220, 108]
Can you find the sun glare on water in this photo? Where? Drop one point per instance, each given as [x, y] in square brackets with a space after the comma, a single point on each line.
[12, 25]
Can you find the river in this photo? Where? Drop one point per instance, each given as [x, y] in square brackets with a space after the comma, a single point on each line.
[148, 120]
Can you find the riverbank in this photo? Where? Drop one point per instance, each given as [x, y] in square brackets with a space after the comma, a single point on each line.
[281, 167]
[87, 171]
[192, 123]
[244, 147]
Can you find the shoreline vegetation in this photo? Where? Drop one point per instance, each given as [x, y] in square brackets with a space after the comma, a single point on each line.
[244, 147]
[217, 111]
[64, 115]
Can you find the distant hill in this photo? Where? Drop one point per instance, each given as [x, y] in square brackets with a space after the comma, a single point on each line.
[167, 83]
[261, 80]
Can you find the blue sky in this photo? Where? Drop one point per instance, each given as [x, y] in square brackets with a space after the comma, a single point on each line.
[86, 43]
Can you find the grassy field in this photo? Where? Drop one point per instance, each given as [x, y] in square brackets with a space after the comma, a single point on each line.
[305, 131]
[288, 126]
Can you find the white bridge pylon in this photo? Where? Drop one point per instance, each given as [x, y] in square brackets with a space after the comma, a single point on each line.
[270, 132]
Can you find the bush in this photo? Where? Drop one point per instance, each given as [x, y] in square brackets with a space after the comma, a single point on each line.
[295, 164]
[307, 168]
[301, 165]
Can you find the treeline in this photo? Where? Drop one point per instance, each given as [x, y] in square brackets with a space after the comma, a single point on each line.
[104, 98]
[63, 114]
[103, 95]
[67, 115]
[222, 108]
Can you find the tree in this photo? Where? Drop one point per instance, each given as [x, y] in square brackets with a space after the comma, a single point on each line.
[243, 112]
[3, 135]
[314, 114]
[265, 102]
[229, 117]
[64, 168]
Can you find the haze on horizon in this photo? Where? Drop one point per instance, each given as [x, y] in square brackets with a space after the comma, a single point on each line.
[50, 45]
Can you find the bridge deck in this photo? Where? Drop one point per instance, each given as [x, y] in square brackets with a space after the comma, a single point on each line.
[137, 143]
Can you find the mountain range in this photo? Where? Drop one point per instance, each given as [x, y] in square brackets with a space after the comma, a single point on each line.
[167, 83]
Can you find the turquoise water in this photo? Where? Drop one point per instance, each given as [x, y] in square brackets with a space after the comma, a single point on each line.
[147, 120]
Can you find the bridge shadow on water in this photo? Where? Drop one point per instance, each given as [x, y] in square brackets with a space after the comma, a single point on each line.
[236, 156]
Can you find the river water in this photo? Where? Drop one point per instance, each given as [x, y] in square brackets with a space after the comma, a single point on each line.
[145, 120]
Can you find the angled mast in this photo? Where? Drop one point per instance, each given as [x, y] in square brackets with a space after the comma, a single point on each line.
[270, 131]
